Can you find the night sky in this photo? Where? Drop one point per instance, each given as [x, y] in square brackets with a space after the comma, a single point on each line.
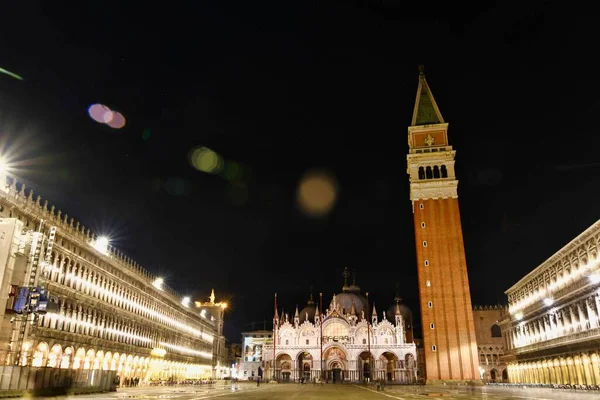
[285, 87]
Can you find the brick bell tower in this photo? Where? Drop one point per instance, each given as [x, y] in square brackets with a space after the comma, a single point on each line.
[446, 313]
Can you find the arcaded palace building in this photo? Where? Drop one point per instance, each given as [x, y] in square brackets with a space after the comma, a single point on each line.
[349, 341]
[490, 345]
[105, 311]
[553, 328]
[449, 340]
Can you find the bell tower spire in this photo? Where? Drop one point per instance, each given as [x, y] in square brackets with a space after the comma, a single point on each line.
[449, 341]
[426, 111]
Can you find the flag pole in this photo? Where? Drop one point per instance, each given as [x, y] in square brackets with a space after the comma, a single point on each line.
[369, 336]
[321, 326]
[274, 333]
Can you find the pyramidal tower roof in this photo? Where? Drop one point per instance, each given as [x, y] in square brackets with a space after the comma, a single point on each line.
[426, 111]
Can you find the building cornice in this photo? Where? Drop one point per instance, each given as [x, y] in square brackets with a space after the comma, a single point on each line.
[433, 190]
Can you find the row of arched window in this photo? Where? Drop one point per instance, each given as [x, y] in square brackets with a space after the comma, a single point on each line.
[76, 318]
[434, 172]
[87, 280]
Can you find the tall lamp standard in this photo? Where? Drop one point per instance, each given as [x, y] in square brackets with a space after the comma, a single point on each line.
[321, 326]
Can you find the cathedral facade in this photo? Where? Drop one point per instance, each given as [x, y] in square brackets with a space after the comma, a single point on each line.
[348, 342]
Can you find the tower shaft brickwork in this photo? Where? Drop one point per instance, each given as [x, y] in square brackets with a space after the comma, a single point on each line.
[449, 339]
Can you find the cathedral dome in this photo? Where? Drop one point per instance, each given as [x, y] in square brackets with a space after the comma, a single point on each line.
[350, 294]
[310, 309]
[345, 300]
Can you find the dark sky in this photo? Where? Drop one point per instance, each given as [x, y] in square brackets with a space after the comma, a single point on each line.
[286, 86]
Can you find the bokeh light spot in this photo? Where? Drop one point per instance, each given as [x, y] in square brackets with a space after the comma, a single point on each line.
[99, 113]
[117, 120]
[104, 115]
[317, 193]
[206, 160]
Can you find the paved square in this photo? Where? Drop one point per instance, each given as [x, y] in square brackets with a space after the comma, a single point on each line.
[345, 392]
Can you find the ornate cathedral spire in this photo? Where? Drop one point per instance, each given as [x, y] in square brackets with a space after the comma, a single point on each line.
[346, 275]
[374, 315]
[310, 298]
[353, 309]
[397, 298]
[212, 296]
[296, 317]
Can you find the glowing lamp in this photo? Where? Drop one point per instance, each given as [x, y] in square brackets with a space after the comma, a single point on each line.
[3, 165]
[548, 301]
[186, 301]
[158, 282]
[101, 244]
[519, 316]
[223, 305]
[595, 278]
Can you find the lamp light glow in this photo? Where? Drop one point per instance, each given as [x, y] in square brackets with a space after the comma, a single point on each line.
[519, 316]
[595, 278]
[548, 301]
[158, 282]
[186, 301]
[101, 244]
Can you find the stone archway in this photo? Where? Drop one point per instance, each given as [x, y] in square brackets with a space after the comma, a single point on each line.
[364, 366]
[388, 367]
[493, 375]
[55, 356]
[335, 361]
[304, 362]
[40, 355]
[283, 367]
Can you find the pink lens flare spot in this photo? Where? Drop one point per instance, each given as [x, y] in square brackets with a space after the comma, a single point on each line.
[117, 121]
[99, 112]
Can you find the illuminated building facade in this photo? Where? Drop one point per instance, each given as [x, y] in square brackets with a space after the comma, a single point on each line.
[553, 327]
[449, 341]
[105, 311]
[252, 357]
[490, 344]
[348, 342]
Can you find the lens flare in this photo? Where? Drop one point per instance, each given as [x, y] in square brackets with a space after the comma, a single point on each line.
[206, 160]
[317, 193]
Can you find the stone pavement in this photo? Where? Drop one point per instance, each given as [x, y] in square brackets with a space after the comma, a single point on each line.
[249, 391]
